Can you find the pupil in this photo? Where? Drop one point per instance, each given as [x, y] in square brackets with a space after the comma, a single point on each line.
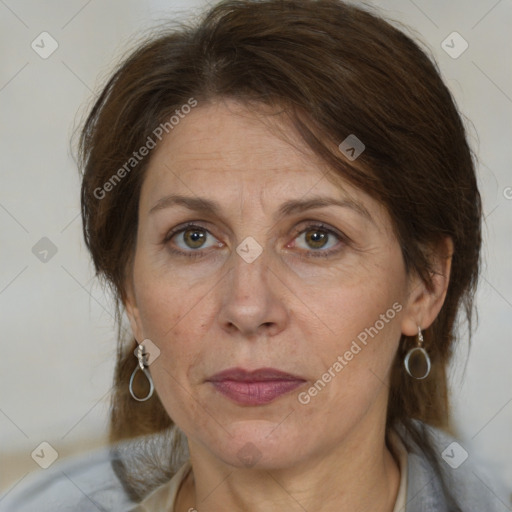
[318, 238]
[196, 237]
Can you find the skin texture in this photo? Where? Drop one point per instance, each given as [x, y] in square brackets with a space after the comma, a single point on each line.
[284, 310]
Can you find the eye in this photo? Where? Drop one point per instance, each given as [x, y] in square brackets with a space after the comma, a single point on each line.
[319, 240]
[191, 237]
[315, 239]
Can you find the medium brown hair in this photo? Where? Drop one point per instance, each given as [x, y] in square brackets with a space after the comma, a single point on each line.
[337, 70]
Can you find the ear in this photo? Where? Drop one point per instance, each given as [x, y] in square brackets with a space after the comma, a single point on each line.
[425, 301]
[132, 311]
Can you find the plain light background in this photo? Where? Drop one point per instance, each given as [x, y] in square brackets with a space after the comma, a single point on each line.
[57, 327]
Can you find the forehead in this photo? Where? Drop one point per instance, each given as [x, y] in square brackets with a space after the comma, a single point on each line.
[238, 153]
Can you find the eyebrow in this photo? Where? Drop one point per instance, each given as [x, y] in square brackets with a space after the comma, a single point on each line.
[292, 206]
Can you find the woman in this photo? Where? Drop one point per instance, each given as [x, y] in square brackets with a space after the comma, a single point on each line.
[285, 205]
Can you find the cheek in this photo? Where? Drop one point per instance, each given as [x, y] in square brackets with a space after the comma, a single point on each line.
[177, 329]
[361, 330]
[174, 327]
[353, 304]
[163, 301]
[352, 370]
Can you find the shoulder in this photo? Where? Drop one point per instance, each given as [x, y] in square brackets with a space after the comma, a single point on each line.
[112, 478]
[452, 478]
[82, 483]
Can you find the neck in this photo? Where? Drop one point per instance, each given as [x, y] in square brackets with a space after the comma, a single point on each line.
[358, 475]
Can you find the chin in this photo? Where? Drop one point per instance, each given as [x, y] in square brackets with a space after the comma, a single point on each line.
[257, 444]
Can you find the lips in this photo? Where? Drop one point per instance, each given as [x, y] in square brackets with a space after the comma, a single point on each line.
[257, 387]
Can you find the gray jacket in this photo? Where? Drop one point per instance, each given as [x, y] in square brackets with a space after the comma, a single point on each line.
[116, 479]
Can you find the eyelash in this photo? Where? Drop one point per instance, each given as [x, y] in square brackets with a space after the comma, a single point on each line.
[310, 254]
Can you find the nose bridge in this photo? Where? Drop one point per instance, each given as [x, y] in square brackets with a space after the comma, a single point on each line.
[249, 271]
[249, 299]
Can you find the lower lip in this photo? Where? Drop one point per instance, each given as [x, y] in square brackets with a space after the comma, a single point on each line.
[255, 393]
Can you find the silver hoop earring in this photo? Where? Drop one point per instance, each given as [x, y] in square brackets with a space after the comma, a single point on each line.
[142, 366]
[417, 361]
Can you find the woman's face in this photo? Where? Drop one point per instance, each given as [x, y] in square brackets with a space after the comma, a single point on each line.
[283, 269]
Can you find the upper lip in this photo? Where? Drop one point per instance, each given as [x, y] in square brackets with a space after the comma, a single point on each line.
[258, 375]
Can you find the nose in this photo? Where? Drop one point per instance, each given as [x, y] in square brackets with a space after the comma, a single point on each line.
[252, 299]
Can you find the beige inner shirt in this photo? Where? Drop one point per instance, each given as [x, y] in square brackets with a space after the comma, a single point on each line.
[163, 498]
